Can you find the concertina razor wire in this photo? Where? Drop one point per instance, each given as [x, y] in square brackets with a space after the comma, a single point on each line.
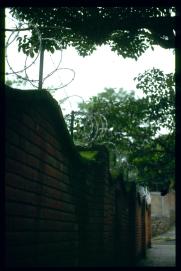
[14, 35]
[95, 125]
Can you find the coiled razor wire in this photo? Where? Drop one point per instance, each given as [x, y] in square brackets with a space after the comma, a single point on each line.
[92, 127]
[87, 128]
[34, 82]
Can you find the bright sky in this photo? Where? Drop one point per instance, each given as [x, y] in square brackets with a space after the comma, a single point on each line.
[102, 69]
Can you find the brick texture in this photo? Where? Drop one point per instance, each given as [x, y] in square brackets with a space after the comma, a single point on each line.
[63, 210]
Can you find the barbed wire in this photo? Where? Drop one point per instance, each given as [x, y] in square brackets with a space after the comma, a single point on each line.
[88, 127]
[68, 97]
[19, 73]
[55, 89]
[51, 73]
[6, 56]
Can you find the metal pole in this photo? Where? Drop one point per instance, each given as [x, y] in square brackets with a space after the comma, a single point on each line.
[41, 65]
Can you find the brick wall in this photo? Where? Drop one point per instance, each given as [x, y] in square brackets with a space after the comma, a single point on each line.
[132, 226]
[139, 229]
[41, 222]
[91, 208]
[59, 206]
[123, 226]
[139, 225]
[148, 226]
[61, 209]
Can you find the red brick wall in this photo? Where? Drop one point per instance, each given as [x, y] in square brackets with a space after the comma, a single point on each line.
[143, 227]
[109, 216]
[148, 226]
[135, 225]
[59, 207]
[138, 224]
[41, 220]
[123, 223]
[97, 216]
[62, 210]
[91, 214]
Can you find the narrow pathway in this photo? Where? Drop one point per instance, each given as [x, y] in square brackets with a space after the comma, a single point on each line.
[162, 253]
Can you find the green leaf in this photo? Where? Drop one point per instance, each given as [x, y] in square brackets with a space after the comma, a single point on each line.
[31, 54]
[113, 26]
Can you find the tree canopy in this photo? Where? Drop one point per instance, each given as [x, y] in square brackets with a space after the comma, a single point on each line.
[128, 30]
[132, 131]
[133, 124]
[159, 90]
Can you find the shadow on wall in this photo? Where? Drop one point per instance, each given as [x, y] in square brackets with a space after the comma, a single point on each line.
[63, 209]
[163, 212]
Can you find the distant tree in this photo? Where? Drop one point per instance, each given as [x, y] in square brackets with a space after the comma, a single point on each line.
[128, 30]
[133, 123]
[123, 115]
[158, 158]
[133, 126]
[155, 162]
[159, 90]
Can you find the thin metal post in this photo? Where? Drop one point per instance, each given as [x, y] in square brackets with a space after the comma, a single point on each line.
[41, 65]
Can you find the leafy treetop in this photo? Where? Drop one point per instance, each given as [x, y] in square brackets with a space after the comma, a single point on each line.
[159, 90]
[134, 125]
[128, 30]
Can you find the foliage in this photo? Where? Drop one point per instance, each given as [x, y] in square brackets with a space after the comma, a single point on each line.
[15, 83]
[9, 83]
[159, 89]
[128, 30]
[90, 155]
[123, 116]
[133, 127]
[156, 162]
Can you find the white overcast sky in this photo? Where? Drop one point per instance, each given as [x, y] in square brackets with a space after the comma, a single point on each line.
[102, 69]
